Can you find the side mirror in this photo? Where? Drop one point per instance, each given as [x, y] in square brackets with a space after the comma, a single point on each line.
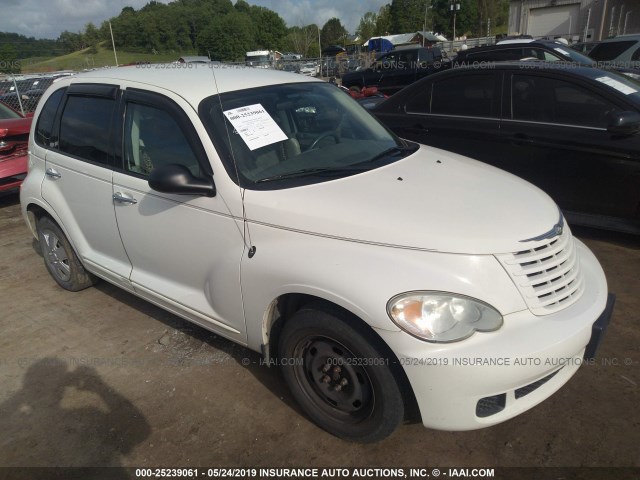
[623, 123]
[179, 180]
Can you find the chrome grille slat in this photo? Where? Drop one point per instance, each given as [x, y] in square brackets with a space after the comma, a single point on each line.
[533, 255]
[557, 284]
[563, 267]
[547, 274]
[561, 260]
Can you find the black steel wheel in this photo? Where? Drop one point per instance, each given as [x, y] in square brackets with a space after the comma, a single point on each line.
[60, 259]
[340, 375]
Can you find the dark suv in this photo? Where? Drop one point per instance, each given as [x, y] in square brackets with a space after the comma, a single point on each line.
[397, 69]
[521, 49]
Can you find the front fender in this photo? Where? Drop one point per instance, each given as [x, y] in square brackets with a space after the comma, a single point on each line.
[359, 277]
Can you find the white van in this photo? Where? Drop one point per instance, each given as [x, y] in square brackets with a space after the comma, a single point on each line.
[270, 208]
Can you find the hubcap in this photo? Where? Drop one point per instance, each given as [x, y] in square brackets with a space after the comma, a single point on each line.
[56, 256]
[332, 377]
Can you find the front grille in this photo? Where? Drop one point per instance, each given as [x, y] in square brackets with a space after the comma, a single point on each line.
[527, 389]
[488, 406]
[548, 274]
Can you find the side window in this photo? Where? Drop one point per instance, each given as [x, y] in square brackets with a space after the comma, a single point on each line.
[387, 62]
[498, 55]
[152, 138]
[540, 54]
[45, 137]
[464, 95]
[85, 128]
[636, 55]
[408, 59]
[551, 100]
[610, 50]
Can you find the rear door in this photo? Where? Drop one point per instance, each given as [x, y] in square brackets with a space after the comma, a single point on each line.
[79, 169]
[458, 112]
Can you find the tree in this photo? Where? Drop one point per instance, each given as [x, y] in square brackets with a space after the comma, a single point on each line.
[332, 33]
[9, 59]
[467, 18]
[383, 21]
[70, 42]
[303, 40]
[407, 15]
[268, 27]
[91, 34]
[228, 38]
[367, 26]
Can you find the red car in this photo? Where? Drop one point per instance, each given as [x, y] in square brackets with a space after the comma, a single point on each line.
[14, 135]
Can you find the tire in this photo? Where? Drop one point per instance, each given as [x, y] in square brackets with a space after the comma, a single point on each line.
[356, 401]
[60, 259]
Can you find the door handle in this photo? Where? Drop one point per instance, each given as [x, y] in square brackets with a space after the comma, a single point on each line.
[52, 173]
[123, 198]
[417, 128]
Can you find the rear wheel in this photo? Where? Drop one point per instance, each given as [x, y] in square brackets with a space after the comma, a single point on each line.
[340, 375]
[60, 259]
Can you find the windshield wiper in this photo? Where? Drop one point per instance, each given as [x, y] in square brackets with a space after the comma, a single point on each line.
[345, 170]
[391, 150]
[314, 171]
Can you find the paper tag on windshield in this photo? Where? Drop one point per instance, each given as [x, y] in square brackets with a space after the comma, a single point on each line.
[255, 126]
[618, 85]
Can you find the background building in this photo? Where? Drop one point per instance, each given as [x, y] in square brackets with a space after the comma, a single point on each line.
[575, 20]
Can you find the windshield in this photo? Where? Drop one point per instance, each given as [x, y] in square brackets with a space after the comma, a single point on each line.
[287, 135]
[575, 56]
[257, 60]
[617, 82]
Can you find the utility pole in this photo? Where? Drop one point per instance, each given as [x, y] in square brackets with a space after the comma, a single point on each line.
[455, 6]
[424, 25]
[320, 51]
[113, 43]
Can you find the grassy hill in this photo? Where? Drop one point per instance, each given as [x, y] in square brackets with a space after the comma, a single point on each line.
[94, 57]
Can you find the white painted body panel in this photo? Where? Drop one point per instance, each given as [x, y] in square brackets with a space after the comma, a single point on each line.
[432, 221]
[432, 200]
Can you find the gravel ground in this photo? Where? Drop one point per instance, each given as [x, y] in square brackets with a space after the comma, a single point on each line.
[102, 378]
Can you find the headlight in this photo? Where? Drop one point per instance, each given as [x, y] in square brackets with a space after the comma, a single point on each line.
[442, 317]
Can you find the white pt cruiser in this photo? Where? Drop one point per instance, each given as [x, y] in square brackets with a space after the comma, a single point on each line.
[272, 209]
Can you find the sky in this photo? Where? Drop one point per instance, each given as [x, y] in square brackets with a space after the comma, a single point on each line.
[48, 18]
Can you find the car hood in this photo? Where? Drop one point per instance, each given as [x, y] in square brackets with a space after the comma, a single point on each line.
[432, 200]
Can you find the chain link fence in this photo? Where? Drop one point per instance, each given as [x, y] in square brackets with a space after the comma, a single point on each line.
[22, 93]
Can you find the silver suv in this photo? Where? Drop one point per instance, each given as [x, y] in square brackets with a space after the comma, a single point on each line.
[622, 51]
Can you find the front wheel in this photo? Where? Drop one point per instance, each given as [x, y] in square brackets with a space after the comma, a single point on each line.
[60, 259]
[339, 376]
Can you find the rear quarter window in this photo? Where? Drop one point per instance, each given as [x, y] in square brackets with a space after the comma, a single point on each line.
[610, 50]
[45, 136]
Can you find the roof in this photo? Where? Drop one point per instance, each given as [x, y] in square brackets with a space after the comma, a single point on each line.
[193, 81]
[408, 37]
[194, 59]
[620, 38]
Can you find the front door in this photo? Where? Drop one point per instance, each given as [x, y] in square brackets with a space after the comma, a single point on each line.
[185, 249]
[559, 141]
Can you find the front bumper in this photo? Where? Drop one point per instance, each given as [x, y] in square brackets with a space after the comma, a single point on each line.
[492, 377]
